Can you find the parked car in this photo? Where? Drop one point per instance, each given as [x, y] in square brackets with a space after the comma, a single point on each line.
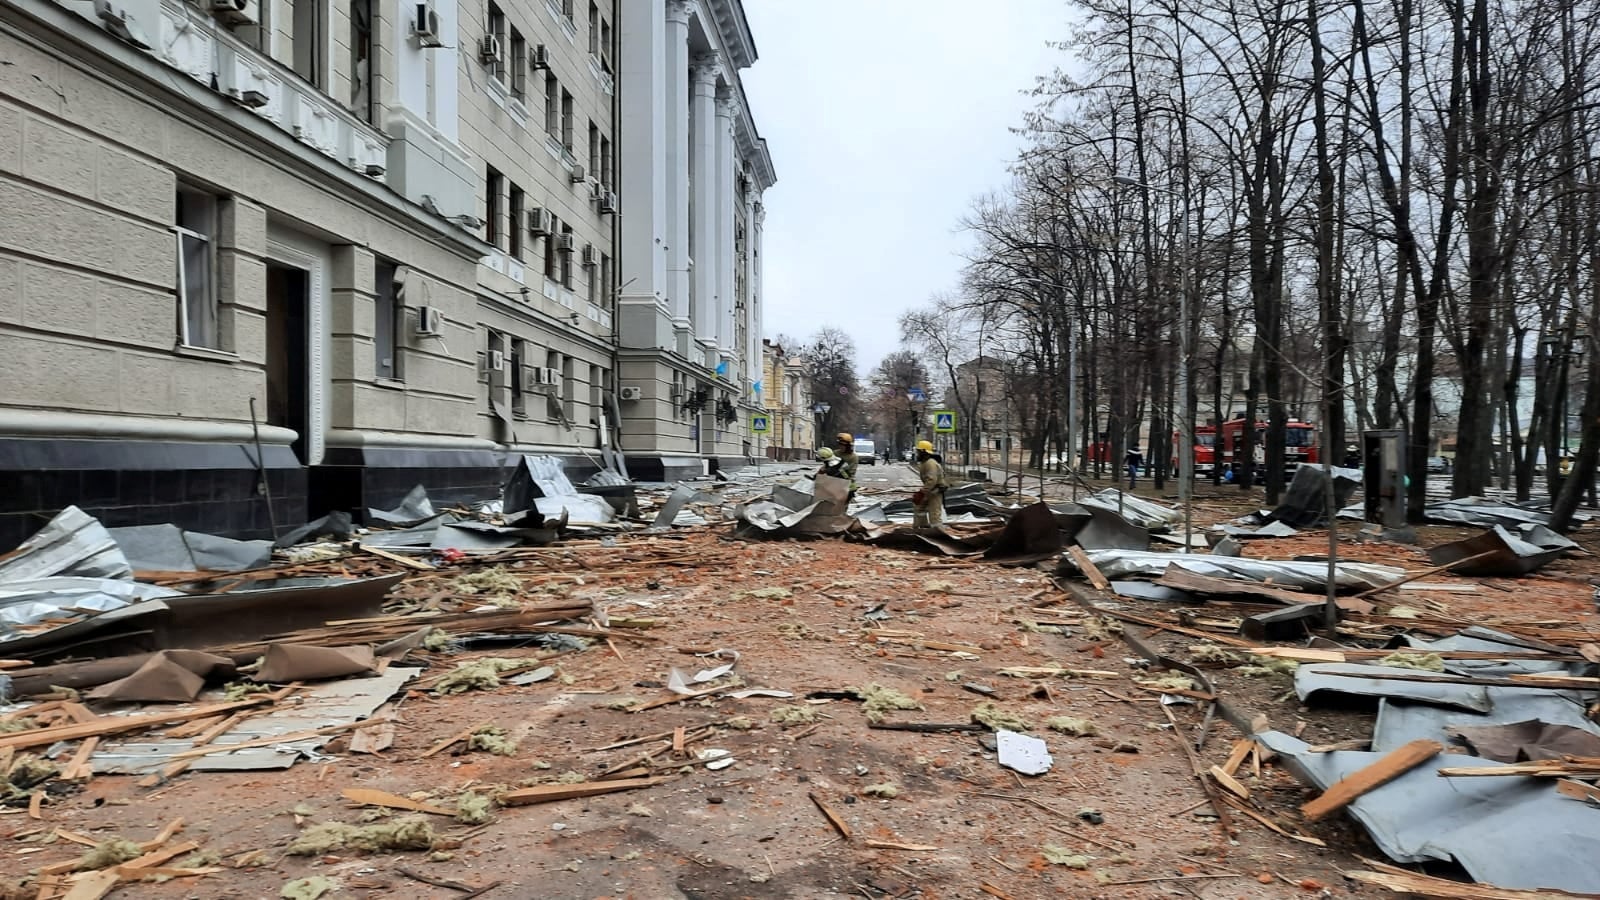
[1438, 465]
[867, 452]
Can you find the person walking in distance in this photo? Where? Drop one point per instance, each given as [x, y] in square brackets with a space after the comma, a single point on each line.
[1132, 462]
[928, 502]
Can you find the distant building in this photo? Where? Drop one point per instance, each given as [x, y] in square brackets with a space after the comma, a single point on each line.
[790, 403]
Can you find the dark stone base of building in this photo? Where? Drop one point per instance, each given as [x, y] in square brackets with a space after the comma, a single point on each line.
[216, 488]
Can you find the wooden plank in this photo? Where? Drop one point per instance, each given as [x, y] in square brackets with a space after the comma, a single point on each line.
[167, 834]
[1182, 579]
[546, 793]
[1236, 757]
[1402, 881]
[370, 797]
[1418, 576]
[109, 725]
[1392, 765]
[78, 767]
[1233, 785]
[456, 738]
[157, 857]
[838, 824]
[1088, 568]
[418, 564]
[271, 740]
[93, 885]
[1578, 790]
[896, 845]
[1582, 767]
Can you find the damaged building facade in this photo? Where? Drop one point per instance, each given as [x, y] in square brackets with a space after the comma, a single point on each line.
[327, 250]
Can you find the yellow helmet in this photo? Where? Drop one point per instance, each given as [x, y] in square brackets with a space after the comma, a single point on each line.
[925, 446]
[824, 454]
[845, 437]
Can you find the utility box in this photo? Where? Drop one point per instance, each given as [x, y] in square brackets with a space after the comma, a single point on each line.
[1383, 468]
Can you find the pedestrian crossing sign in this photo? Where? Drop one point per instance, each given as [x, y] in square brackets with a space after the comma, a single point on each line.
[760, 424]
[944, 422]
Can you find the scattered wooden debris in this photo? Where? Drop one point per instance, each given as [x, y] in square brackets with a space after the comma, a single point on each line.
[833, 818]
[1392, 765]
[1403, 881]
[547, 793]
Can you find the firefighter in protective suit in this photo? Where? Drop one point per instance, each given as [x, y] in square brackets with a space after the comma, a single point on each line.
[831, 463]
[928, 502]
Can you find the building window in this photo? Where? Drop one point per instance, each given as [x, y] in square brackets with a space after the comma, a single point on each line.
[594, 149]
[605, 46]
[197, 282]
[605, 162]
[596, 394]
[497, 30]
[552, 361]
[310, 41]
[566, 260]
[519, 399]
[386, 322]
[567, 10]
[519, 66]
[552, 104]
[550, 249]
[519, 203]
[361, 58]
[569, 391]
[593, 280]
[566, 121]
[605, 282]
[493, 186]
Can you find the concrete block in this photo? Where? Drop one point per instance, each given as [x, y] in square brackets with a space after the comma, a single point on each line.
[242, 280]
[207, 389]
[131, 315]
[453, 378]
[60, 300]
[244, 332]
[353, 269]
[102, 108]
[58, 373]
[377, 408]
[10, 289]
[243, 226]
[55, 156]
[129, 183]
[351, 313]
[30, 76]
[145, 384]
[438, 415]
[10, 139]
[351, 359]
[204, 156]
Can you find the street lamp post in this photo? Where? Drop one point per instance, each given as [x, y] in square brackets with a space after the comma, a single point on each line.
[1185, 422]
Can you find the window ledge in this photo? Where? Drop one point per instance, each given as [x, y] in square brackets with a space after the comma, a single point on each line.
[209, 353]
[389, 384]
[519, 111]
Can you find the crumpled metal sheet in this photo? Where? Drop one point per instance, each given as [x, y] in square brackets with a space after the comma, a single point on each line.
[416, 507]
[1527, 740]
[72, 543]
[1399, 723]
[1031, 534]
[1311, 679]
[27, 602]
[1533, 547]
[1137, 510]
[1106, 530]
[1305, 502]
[168, 548]
[1510, 832]
[1284, 573]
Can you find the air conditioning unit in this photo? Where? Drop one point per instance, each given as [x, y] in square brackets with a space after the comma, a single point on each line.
[540, 221]
[430, 321]
[425, 25]
[489, 52]
[631, 393]
[552, 378]
[494, 361]
[607, 203]
[565, 243]
[579, 175]
[539, 57]
[533, 380]
[591, 257]
[236, 12]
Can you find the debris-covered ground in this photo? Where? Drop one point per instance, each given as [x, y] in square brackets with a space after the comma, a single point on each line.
[680, 713]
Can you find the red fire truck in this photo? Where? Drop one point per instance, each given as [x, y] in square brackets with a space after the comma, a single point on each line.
[1205, 449]
[1300, 444]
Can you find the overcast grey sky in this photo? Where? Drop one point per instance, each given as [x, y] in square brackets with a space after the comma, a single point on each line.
[885, 119]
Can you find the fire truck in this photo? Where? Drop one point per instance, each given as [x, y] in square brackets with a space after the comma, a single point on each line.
[1300, 444]
[1205, 449]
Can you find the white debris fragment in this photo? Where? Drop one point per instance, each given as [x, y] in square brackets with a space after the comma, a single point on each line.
[1025, 754]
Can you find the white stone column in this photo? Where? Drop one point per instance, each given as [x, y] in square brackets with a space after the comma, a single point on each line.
[726, 262]
[677, 174]
[752, 309]
[703, 198]
[642, 311]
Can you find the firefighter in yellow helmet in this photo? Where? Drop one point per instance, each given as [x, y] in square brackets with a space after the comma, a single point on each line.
[830, 463]
[844, 449]
[928, 503]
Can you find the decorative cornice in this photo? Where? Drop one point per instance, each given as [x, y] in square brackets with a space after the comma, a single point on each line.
[679, 12]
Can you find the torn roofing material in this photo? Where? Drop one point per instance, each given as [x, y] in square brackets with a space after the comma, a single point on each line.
[1510, 832]
[168, 548]
[1305, 504]
[72, 543]
[1346, 678]
[1531, 548]
[416, 507]
[1135, 509]
[1300, 575]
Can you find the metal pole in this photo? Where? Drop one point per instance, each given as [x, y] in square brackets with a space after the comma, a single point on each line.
[1185, 421]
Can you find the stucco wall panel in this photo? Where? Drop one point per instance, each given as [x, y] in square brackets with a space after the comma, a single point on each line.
[76, 376]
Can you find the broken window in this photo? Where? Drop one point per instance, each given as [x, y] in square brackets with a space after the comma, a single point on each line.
[552, 105]
[515, 232]
[519, 65]
[519, 358]
[594, 149]
[566, 121]
[566, 259]
[197, 283]
[360, 59]
[386, 322]
[605, 282]
[310, 41]
[594, 29]
[493, 183]
[550, 249]
[497, 30]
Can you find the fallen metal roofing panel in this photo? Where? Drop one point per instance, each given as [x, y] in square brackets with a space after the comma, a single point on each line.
[1345, 678]
[1301, 575]
[1400, 722]
[1512, 554]
[1510, 832]
[72, 543]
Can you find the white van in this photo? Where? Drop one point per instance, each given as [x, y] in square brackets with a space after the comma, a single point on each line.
[866, 452]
